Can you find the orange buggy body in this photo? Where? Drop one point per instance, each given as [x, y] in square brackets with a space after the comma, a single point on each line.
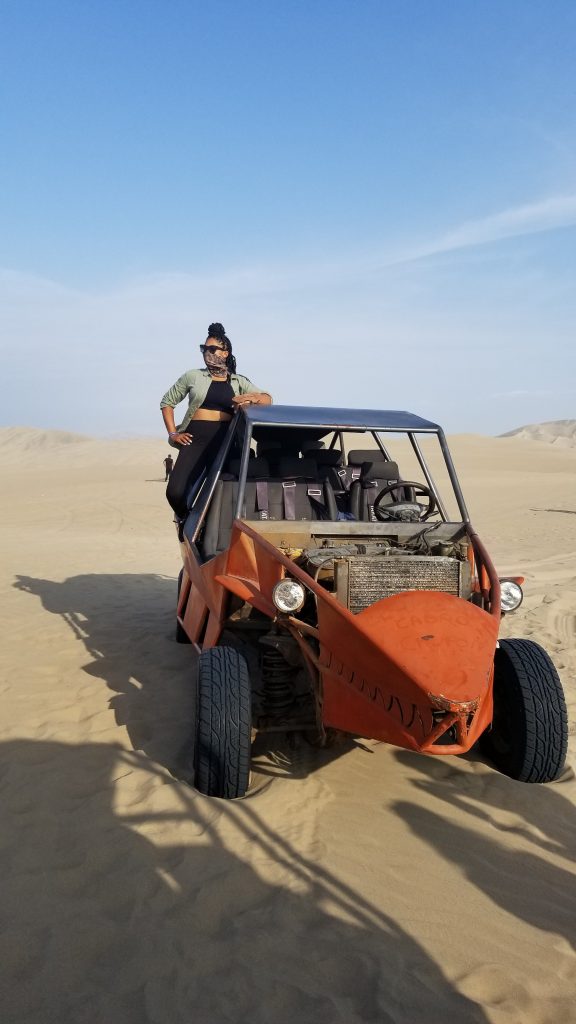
[322, 595]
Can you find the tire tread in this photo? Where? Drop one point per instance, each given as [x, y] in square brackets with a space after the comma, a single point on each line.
[535, 686]
[224, 722]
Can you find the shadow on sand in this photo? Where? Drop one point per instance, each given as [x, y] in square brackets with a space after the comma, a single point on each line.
[127, 624]
[519, 877]
[152, 916]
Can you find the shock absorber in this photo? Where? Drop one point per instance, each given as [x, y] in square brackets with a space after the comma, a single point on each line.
[277, 677]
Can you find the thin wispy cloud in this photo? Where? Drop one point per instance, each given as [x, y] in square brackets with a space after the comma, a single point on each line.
[550, 214]
[532, 218]
[142, 327]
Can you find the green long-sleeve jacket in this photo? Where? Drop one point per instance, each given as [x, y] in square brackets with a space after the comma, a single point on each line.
[195, 384]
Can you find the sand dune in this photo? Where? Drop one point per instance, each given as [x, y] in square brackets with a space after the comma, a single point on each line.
[23, 439]
[33, 445]
[362, 884]
[561, 433]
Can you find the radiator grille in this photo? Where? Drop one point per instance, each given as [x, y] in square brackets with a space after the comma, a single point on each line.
[361, 582]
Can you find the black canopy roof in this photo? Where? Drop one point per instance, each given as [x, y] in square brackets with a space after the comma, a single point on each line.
[335, 419]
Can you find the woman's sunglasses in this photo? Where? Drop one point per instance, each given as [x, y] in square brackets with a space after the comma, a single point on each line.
[211, 349]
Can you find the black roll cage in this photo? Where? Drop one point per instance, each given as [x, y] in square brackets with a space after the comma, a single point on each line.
[248, 418]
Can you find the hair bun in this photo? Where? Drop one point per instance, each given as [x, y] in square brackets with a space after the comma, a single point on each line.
[216, 331]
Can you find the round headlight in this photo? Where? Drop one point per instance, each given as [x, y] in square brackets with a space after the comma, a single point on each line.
[511, 595]
[288, 596]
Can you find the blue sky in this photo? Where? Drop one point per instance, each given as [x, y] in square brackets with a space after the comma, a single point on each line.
[378, 199]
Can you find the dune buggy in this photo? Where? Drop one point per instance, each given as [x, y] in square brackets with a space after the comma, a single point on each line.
[326, 593]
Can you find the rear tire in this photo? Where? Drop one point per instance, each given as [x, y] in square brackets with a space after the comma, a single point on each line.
[223, 724]
[181, 634]
[529, 733]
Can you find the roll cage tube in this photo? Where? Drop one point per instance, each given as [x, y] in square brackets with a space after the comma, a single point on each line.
[382, 446]
[428, 475]
[453, 478]
[244, 459]
[488, 580]
[487, 575]
[213, 476]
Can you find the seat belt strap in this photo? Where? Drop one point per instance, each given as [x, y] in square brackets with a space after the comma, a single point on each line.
[262, 499]
[371, 495]
[348, 474]
[395, 495]
[343, 483]
[289, 496]
[316, 497]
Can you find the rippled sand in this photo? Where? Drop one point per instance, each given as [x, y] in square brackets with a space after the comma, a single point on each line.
[361, 885]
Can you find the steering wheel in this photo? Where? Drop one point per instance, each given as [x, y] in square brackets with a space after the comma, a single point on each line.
[420, 490]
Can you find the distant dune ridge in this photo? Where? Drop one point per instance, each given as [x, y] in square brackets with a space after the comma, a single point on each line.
[30, 444]
[35, 437]
[557, 432]
[561, 432]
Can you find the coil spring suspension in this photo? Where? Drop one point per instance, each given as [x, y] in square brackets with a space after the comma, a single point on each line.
[277, 677]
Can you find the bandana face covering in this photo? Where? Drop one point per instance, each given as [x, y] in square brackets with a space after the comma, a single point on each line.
[216, 362]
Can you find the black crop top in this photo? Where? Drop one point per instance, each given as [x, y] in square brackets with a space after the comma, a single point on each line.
[219, 396]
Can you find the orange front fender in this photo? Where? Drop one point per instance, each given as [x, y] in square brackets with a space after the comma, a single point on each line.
[408, 667]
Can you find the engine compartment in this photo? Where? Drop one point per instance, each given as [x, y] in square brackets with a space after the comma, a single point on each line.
[363, 572]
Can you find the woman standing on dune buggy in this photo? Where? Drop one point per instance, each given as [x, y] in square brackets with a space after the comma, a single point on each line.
[212, 393]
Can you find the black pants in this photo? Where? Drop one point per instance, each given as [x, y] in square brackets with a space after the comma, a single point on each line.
[192, 459]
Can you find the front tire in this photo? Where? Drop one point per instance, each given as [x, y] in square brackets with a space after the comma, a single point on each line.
[529, 734]
[223, 724]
